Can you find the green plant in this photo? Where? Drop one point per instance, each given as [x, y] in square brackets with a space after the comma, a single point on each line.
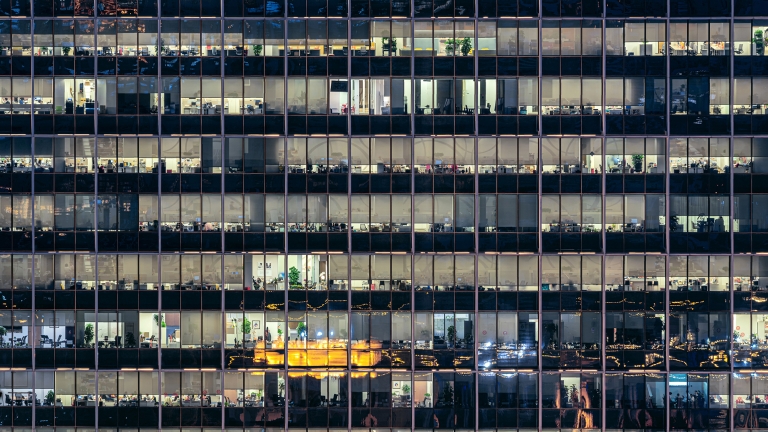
[130, 340]
[246, 326]
[281, 387]
[256, 49]
[406, 389]
[279, 331]
[390, 43]
[66, 50]
[426, 395]
[451, 331]
[160, 319]
[301, 330]
[637, 161]
[294, 277]
[466, 46]
[88, 334]
[450, 46]
[49, 397]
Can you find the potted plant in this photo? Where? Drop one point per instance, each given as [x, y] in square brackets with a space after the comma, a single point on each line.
[406, 389]
[637, 162]
[273, 285]
[67, 49]
[759, 42]
[257, 49]
[389, 44]
[427, 396]
[49, 397]
[245, 327]
[160, 319]
[130, 340]
[301, 330]
[279, 333]
[281, 387]
[451, 332]
[574, 396]
[450, 46]
[550, 329]
[294, 278]
[466, 46]
[3, 332]
[88, 335]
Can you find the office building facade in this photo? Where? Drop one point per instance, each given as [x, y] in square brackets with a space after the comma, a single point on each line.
[383, 215]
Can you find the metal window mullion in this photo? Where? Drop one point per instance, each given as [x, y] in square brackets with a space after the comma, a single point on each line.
[539, 77]
[348, 283]
[159, 217]
[348, 256]
[348, 114]
[223, 219]
[412, 234]
[666, 315]
[667, 235]
[539, 118]
[97, 207]
[412, 115]
[285, 262]
[732, 36]
[603, 332]
[32, 197]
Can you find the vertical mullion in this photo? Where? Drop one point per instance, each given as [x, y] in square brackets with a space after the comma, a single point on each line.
[223, 248]
[33, 369]
[668, 92]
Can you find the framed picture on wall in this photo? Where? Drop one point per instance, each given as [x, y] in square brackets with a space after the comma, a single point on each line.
[256, 324]
[396, 384]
